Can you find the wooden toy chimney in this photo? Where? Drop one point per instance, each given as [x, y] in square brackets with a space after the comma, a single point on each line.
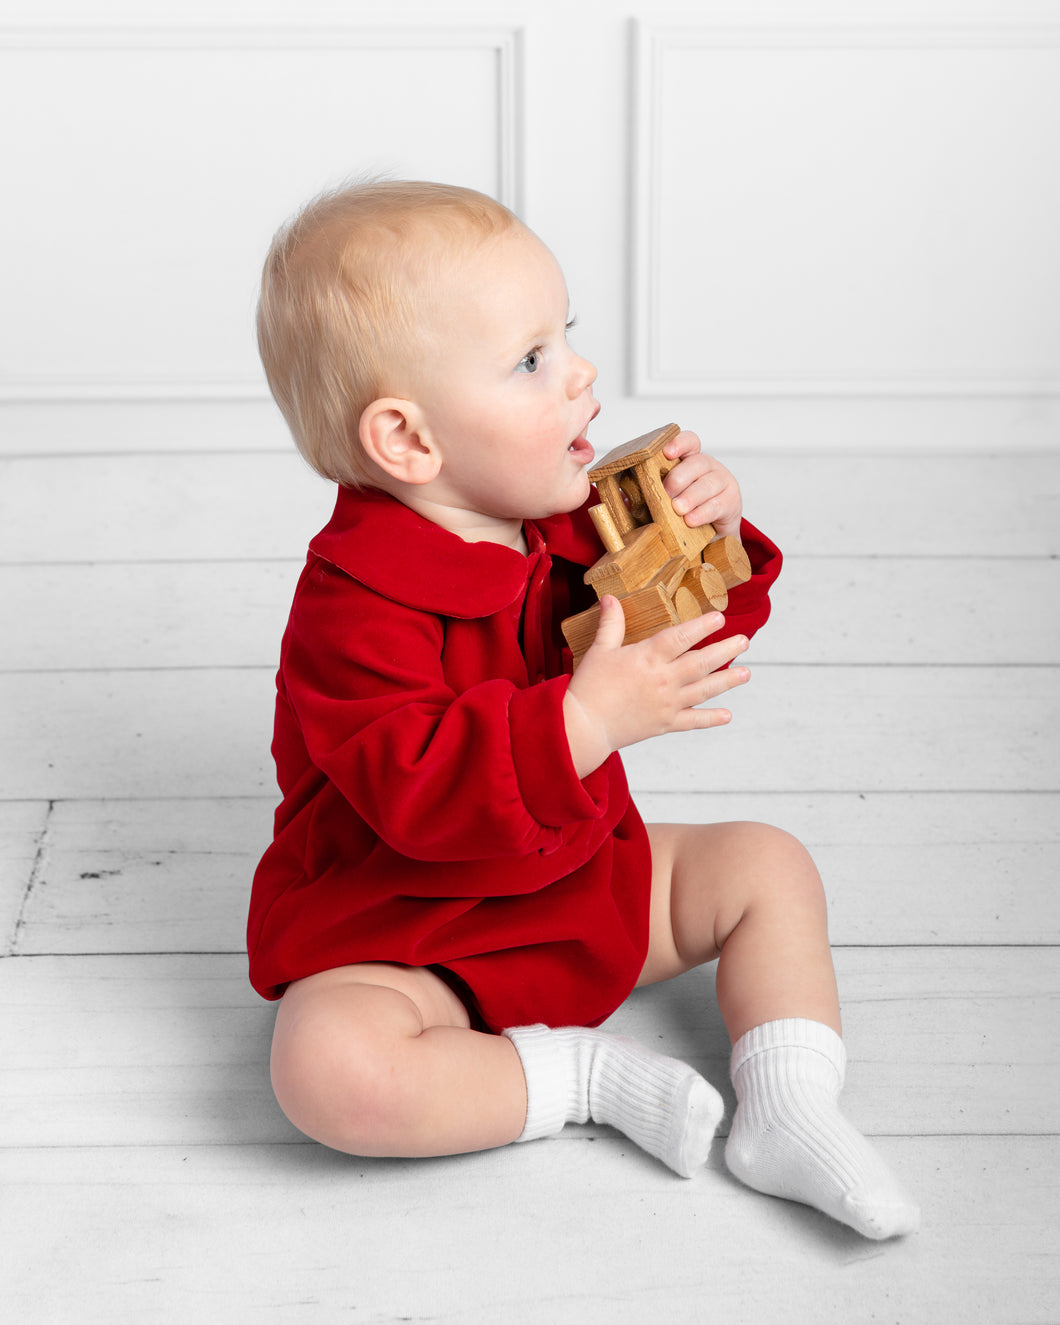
[662, 570]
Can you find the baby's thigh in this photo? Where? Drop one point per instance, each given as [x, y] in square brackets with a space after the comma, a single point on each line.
[704, 878]
[424, 997]
[339, 1034]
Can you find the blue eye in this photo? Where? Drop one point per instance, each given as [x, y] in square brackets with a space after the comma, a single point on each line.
[529, 363]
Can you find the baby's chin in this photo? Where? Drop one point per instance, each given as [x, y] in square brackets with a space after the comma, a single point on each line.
[579, 495]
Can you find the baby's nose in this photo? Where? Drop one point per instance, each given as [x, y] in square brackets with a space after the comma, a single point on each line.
[582, 376]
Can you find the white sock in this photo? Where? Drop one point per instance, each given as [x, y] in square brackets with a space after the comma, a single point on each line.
[574, 1075]
[789, 1138]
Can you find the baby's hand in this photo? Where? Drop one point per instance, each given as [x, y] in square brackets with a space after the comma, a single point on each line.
[702, 490]
[621, 694]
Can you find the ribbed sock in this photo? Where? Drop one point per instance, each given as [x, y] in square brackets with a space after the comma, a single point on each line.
[789, 1138]
[574, 1075]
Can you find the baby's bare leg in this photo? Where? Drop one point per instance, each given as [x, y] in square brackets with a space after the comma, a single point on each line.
[752, 895]
[380, 1060]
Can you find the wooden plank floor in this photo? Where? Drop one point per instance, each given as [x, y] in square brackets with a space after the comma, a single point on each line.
[902, 719]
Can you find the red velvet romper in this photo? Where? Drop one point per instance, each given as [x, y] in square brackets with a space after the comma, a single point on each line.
[430, 812]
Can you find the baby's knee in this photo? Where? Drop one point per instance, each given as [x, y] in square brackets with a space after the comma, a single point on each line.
[785, 864]
[330, 1066]
[786, 846]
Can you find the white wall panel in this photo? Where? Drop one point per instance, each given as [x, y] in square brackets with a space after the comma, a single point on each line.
[842, 232]
[150, 167]
[848, 212]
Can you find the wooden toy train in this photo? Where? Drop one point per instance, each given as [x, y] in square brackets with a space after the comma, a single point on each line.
[661, 570]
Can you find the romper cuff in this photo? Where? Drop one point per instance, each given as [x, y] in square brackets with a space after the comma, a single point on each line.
[548, 783]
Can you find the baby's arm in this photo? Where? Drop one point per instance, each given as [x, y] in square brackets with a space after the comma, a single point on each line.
[441, 770]
[622, 694]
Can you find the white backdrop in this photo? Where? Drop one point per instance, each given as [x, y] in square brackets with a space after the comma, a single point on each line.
[790, 226]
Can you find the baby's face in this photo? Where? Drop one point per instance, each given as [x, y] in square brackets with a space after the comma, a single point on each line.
[507, 399]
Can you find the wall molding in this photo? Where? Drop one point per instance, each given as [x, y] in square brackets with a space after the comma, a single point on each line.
[505, 43]
[651, 43]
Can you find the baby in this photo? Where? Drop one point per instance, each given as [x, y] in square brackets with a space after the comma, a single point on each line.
[460, 889]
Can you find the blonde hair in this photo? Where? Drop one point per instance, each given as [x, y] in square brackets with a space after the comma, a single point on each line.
[344, 295]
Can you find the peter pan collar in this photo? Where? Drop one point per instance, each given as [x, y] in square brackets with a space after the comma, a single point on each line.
[395, 552]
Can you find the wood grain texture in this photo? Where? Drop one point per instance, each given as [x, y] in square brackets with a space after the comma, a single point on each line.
[174, 875]
[145, 876]
[905, 727]
[207, 732]
[869, 729]
[22, 827]
[296, 1233]
[172, 1050]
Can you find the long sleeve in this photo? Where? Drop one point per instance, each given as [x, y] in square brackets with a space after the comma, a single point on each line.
[439, 771]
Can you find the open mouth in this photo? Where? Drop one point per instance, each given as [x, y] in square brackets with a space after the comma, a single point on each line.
[581, 447]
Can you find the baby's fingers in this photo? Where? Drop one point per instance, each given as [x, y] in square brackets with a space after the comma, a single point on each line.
[678, 643]
[716, 656]
[693, 716]
[700, 719]
[679, 639]
[705, 673]
[710, 687]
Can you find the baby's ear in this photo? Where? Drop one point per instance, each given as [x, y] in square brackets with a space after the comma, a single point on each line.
[394, 437]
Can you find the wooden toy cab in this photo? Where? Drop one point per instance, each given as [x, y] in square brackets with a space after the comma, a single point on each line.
[662, 571]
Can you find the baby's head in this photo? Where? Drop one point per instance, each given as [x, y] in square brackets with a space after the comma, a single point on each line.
[346, 300]
[415, 338]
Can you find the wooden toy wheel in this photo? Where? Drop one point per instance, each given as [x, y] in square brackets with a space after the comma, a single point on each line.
[705, 586]
[728, 557]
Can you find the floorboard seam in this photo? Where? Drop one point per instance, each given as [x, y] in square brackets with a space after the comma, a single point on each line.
[43, 841]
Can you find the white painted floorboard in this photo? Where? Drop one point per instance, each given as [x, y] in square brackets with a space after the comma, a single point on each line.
[815, 729]
[560, 1233]
[903, 720]
[171, 875]
[160, 1050]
